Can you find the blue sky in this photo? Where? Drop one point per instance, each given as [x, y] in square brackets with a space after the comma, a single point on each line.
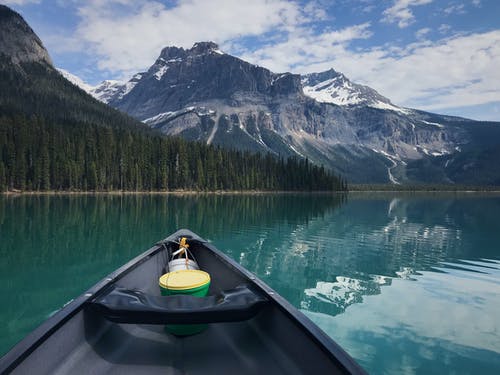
[437, 55]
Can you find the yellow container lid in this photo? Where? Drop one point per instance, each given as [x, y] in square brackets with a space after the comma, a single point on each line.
[184, 279]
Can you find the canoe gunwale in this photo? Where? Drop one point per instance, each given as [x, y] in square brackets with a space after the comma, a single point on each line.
[36, 338]
[325, 342]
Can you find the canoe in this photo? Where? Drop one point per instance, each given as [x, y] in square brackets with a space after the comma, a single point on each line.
[121, 326]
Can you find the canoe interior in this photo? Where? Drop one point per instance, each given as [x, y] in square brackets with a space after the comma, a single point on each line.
[271, 342]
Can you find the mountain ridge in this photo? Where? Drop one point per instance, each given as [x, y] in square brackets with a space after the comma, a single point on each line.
[204, 94]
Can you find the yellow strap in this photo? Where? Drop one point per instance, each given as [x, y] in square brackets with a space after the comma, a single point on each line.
[183, 243]
[183, 246]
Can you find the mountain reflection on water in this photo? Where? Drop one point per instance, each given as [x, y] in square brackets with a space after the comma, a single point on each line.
[369, 240]
[406, 283]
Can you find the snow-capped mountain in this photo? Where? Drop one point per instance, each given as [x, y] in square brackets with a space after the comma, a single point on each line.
[207, 95]
[335, 88]
[110, 90]
[77, 81]
[107, 90]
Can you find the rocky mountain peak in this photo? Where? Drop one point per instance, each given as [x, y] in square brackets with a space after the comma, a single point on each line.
[181, 78]
[199, 48]
[172, 52]
[315, 78]
[18, 41]
[204, 47]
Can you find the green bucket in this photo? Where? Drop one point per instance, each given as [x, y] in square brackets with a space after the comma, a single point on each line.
[191, 282]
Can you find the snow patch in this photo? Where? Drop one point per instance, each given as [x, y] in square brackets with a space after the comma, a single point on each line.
[328, 92]
[127, 88]
[433, 123]
[76, 80]
[340, 91]
[278, 78]
[212, 133]
[160, 72]
[386, 154]
[296, 151]
[390, 107]
[167, 116]
[107, 90]
[157, 118]
[433, 153]
[425, 151]
[393, 159]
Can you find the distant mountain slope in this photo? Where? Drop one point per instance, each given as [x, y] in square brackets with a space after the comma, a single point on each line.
[206, 95]
[77, 81]
[54, 136]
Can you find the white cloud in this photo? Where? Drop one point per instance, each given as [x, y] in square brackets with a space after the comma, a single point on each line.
[422, 33]
[61, 43]
[128, 35]
[444, 28]
[20, 2]
[315, 11]
[401, 13]
[455, 9]
[449, 73]
[368, 9]
[303, 49]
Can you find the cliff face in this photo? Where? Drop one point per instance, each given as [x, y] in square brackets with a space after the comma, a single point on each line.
[18, 41]
[31, 86]
[180, 78]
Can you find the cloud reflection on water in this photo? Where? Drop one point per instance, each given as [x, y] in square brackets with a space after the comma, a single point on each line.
[446, 315]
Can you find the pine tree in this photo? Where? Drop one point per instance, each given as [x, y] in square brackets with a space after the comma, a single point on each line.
[200, 175]
[3, 179]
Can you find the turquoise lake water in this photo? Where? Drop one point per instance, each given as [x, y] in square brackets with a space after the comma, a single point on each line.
[406, 283]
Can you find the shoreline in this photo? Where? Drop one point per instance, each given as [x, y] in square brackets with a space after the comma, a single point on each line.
[426, 191]
[236, 192]
[172, 192]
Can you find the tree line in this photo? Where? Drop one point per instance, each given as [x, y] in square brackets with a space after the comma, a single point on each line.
[37, 156]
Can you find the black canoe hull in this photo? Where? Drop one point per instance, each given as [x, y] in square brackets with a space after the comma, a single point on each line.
[93, 334]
